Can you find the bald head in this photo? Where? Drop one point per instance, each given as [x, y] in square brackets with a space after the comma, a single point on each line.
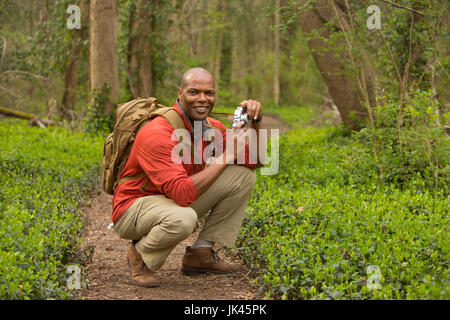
[197, 94]
[196, 73]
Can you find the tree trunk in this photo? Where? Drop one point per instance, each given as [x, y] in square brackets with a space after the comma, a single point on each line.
[349, 92]
[226, 58]
[276, 67]
[217, 59]
[191, 17]
[249, 45]
[139, 50]
[236, 58]
[73, 65]
[103, 51]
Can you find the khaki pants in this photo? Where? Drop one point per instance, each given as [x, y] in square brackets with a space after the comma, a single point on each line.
[160, 224]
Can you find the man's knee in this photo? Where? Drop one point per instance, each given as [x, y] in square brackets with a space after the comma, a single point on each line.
[183, 221]
[251, 177]
[246, 177]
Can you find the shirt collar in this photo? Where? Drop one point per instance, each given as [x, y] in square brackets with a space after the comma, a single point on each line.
[204, 122]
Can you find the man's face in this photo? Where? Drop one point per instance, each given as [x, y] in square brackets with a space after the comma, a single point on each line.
[198, 96]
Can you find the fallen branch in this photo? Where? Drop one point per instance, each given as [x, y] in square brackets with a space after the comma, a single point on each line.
[17, 114]
[34, 120]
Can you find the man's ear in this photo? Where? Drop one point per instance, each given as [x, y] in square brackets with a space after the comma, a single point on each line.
[180, 91]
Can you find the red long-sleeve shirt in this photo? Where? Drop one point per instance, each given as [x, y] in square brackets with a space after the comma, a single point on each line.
[152, 153]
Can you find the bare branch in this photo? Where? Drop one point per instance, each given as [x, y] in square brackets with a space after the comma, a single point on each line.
[38, 77]
[403, 7]
[43, 81]
[10, 92]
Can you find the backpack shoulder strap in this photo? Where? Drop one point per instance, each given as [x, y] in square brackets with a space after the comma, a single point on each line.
[174, 119]
[177, 123]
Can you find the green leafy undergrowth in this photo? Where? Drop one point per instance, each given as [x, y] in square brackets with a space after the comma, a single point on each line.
[318, 228]
[45, 174]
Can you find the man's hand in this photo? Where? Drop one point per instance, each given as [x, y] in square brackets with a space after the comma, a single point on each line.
[253, 110]
[238, 135]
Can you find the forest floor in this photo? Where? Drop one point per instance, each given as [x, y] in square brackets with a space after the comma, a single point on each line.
[108, 275]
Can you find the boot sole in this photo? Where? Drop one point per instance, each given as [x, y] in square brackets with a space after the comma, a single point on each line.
[145, 285]
[193, 271]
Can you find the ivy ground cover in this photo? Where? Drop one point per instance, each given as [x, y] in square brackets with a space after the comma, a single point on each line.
[323, 228]
[45, 174]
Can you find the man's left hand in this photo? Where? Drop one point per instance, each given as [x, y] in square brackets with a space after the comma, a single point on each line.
[253, 109]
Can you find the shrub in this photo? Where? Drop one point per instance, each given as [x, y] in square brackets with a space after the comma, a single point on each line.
[97, 121]
[404, 143]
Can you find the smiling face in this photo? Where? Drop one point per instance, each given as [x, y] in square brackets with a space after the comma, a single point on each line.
[197, 94]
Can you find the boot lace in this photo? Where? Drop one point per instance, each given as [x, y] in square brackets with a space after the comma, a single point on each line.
[216, 256]
[144, 268]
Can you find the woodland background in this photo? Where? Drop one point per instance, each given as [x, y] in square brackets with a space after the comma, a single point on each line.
[257, 49]
[364, 168]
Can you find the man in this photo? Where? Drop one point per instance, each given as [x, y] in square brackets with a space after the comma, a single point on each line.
[161, 209]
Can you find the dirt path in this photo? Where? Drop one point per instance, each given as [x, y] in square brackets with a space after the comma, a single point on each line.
[108, 275]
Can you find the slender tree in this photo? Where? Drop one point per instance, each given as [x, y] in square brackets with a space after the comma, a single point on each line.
[73, 64]
[221, 9]
[276, 67]
[226, 54]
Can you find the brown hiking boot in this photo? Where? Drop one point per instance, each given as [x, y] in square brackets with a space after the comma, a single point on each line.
[204, 260]
[141, 275]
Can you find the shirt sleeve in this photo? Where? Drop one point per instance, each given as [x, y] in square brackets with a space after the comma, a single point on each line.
[154, 155]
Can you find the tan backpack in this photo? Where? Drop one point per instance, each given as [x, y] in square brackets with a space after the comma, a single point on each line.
[129, 118]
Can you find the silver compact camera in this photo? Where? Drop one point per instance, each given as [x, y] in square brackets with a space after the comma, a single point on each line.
[239, 116]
